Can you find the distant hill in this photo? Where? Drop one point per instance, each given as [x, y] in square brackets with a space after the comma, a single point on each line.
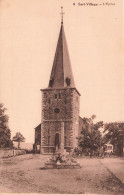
[23, 145]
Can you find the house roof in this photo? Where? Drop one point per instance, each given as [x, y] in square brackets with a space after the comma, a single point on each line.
[38, 127]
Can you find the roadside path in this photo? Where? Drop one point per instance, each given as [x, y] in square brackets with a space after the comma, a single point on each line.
[115, 166]
[26, 174]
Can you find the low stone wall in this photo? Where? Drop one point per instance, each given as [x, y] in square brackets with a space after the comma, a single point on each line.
[4, 153]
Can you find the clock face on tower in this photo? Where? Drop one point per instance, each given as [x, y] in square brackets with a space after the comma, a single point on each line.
[56, 110]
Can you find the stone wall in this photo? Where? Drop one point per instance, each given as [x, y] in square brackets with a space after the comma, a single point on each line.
[60, 105]
[53, 127]
[4, 153]
[61, 99]
[38, 135]
[76, 103]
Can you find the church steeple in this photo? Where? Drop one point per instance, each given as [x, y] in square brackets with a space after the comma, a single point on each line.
[61, 74]
[60, 103]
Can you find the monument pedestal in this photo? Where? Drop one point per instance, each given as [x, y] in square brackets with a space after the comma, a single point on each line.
[62, 162]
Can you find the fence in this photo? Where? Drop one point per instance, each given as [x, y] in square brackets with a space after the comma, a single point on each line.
[4, 153]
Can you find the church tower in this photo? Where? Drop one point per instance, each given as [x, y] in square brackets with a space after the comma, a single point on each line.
[60, 104]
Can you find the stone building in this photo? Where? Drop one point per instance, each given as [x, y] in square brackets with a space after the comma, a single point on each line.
[60, 104]
[38, 135]
[38, 129]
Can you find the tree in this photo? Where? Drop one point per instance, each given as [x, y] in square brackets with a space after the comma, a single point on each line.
[91, 138]
[5, 133]
[18, 138]
[115, 134]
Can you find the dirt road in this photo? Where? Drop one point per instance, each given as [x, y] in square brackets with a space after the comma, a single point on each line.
[26, 174]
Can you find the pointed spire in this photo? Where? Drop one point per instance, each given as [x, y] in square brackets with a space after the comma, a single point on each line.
[61, 74]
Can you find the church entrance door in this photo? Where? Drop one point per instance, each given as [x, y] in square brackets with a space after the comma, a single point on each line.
[57, 143]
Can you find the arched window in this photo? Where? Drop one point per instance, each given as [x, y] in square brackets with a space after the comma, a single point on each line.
[55, 96]
[57, 139]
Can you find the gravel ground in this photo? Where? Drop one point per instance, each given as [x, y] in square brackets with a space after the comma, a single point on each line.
[26, 174]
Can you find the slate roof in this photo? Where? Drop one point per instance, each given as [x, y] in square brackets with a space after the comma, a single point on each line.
[38, 127]
[61, 74]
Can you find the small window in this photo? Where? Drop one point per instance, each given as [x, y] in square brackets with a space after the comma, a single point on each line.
[55, 96]
[59, 95]
[68, 81]
[51, 82]
[49, 101]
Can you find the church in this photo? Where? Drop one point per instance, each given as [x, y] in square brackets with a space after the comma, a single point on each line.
[60, 121]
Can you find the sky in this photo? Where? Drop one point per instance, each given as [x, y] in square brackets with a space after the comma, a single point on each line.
[28, 39]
